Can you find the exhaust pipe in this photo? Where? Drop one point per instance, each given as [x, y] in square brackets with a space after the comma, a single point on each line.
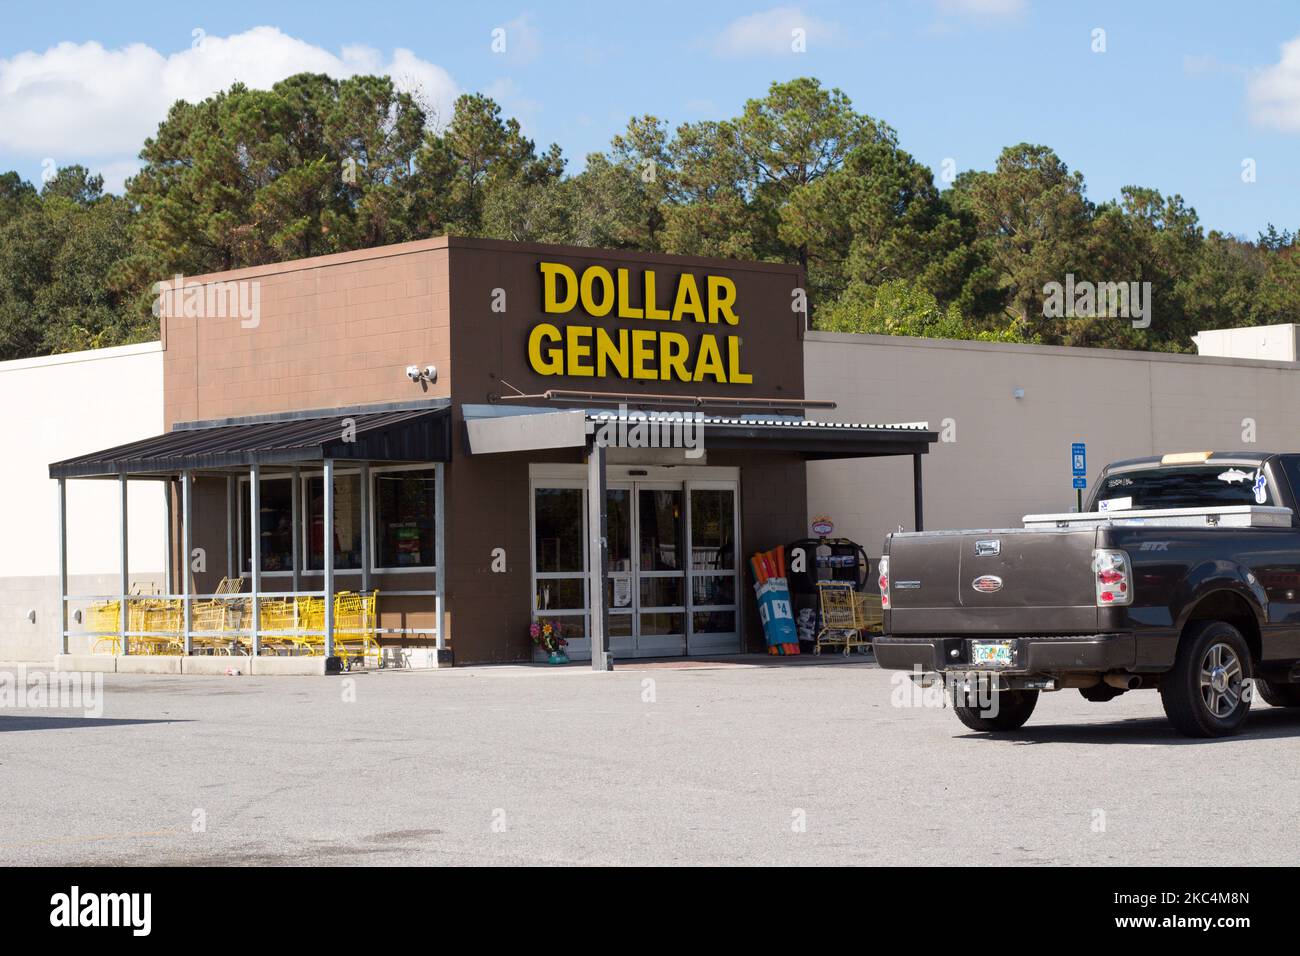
[1123, 681]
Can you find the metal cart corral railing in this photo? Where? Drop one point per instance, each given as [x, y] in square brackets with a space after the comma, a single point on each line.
[290, 623]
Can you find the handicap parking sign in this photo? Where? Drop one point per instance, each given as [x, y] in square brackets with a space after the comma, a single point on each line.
[1078, 460]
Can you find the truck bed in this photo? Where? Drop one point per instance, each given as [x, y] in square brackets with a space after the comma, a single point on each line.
[1043, 579]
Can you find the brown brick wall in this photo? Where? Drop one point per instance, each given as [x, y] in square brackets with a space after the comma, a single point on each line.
[334, 331]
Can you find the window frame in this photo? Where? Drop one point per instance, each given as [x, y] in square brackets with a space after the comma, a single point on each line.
[241, 520]
[304, 521]
[375, 472]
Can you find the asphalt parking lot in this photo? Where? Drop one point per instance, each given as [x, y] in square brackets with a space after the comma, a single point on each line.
[735, 764]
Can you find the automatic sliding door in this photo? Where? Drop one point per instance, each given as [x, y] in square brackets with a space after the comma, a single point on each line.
[673, 582]
[714, 613]
[621, 586]
[661, 578]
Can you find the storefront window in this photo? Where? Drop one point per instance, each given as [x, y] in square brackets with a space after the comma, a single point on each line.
[661, 530]
[274, 524]
[713, 529]
[404, 523]
[558, 530]
[347, 522]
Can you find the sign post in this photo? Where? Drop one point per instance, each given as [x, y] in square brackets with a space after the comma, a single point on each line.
[1079, 470]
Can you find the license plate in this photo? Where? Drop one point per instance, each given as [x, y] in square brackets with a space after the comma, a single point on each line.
[997, 654]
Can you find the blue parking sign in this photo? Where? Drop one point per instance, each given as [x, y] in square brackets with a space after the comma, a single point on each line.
[1078, 461]
[1081, 483]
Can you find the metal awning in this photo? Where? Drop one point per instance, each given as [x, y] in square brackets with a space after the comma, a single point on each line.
[495, 429]
[388, 434]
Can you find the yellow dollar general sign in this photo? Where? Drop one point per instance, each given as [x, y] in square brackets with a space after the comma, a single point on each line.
[646, 354]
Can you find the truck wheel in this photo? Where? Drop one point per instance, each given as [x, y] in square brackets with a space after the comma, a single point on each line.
[1204, 693]
[1279, 695]
[1008, 710]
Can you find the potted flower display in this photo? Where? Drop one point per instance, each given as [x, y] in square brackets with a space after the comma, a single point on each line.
[549, 636]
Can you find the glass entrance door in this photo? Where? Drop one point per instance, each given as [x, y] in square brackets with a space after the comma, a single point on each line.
[660, 569]
[653, 611]
[672, 579]
[715, 580]
[621, 586]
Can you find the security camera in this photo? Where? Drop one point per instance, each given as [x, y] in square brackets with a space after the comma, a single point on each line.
[413, 372]
[431, 373]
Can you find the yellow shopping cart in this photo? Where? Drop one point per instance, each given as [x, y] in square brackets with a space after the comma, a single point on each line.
[842, 624]
[354, 627]
[279, 614]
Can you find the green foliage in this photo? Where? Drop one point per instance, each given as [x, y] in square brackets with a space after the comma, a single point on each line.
[316, 165]
[60, 257]
[902, 307]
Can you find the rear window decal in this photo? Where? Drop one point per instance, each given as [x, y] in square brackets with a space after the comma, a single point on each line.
[1234, 475]
[1261, 488]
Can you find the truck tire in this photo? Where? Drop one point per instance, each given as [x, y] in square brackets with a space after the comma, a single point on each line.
[1013, 709]
[1279, 695]
[1204, 692]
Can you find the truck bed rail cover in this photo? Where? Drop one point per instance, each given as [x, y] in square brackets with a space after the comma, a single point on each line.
[1227, 516]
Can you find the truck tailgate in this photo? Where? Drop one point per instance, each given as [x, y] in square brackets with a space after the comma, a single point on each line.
[1014, 581]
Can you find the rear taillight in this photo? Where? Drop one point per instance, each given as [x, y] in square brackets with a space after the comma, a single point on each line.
[882, 570]
[1112, 576]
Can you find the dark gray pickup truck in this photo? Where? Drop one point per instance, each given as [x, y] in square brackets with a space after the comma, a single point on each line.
[1182, 575]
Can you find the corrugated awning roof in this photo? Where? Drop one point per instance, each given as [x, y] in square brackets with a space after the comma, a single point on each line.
[503, 428]
[811, 438]
[782, 421]
[404, 434]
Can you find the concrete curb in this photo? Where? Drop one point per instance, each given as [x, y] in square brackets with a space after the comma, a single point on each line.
[211, 665]
[215, 665]
[295, 666]
[148, 664]
[94, 663]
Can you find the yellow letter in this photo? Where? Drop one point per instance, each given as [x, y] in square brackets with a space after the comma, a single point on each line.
[608, 352]
[651, 312]
[709, 361]
[733, 362]
[722, 296]
[688, 299]
[575, 351]
[672, 361]
[625, 309]
[641, 351]
[552, 363]
[589, 277]
[550, 303]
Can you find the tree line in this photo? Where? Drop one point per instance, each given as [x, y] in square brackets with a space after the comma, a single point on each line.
[316, 165]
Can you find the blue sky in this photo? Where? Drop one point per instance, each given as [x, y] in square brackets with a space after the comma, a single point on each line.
[1182, 96]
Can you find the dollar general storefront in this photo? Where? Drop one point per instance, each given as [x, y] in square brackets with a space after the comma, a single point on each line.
[466, 422]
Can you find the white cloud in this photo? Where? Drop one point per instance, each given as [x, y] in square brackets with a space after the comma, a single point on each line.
[1273, 92]
[79, 100]
[770, 32]
[983, 8]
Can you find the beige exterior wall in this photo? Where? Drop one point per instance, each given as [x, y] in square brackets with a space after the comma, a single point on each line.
[62, 406]
[1010, 456]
